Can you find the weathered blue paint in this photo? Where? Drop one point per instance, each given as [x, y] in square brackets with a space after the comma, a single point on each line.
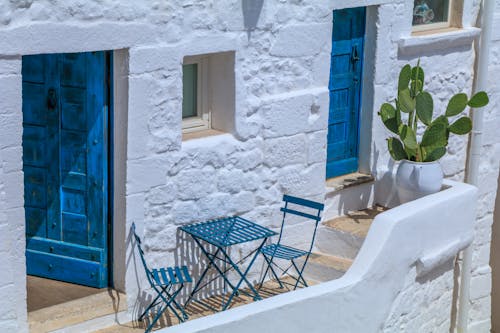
[345, 91]
[65, 154]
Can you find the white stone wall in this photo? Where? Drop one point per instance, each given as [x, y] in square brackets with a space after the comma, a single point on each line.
[278, 145]
[12, 241]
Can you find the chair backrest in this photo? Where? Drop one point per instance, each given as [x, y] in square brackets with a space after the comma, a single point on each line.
[138, 244]
[308, 209]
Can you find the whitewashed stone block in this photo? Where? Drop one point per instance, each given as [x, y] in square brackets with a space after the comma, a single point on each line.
[480, 286]
[316, 147]
[302, 181]
[11, 134]
[195, 184]
[10, 67]
[231, 181]
[150, 59]
[184, 212]
[10, 88]
[162, 194]
[135, 208]
[285, 151]
[301, 40]
[14, 186]
[286, 116]
[12, 158]
[144, 174]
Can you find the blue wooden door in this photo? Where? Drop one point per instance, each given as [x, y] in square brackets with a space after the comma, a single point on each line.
[65, 151]
[345, 91]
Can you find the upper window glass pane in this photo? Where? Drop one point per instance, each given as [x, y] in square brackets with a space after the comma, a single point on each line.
[430, 11]
[189, 90]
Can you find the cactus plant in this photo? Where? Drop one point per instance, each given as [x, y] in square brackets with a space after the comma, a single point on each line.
[414, 104]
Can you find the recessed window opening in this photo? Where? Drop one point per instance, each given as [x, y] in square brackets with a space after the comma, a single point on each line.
[208, 93]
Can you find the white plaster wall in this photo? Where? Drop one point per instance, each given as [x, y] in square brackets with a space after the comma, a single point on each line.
[281, 107]
[12, 241]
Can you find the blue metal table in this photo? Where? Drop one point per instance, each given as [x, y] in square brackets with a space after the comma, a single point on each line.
[221, 234]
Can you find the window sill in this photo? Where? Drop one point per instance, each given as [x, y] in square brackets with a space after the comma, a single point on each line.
[200, 134]
[435, 40]
[345, 181]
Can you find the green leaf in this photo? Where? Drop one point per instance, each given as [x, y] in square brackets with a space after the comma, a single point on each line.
[434, 154]
[404, 77]
[417, 73]
[425, 107]
[406, 103]
[435, 134]
[396, 149]
[389, 117]
[387, 111]
[408, 137]
[410, 153]
[416, 86]
[461, 126]
[456, 105]
[479, 100]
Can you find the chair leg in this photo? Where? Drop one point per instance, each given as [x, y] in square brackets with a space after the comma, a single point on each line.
[153, 303]
[156, 318]
[265, 273]
[177, 305]
[300, 277]
[269, 266]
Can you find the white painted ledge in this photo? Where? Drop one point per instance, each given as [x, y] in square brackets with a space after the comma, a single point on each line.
[425, 232]
[438, 41]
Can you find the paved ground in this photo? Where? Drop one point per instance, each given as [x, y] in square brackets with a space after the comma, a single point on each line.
[43, 293]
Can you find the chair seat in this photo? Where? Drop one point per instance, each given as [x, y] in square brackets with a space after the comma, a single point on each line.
[171, 275]
[282, 251]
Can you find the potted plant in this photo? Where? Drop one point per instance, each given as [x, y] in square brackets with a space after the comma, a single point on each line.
[421, 140]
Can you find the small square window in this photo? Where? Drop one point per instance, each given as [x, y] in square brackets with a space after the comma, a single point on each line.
[435, 14]
[208, 93]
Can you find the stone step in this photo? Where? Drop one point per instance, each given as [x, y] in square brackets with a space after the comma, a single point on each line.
[100, 310]
[343, 236]
[323, 267]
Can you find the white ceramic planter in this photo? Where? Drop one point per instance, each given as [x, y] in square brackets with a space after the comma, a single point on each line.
[417, 179]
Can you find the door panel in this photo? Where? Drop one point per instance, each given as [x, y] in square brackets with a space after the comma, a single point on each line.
[345, 91]
[65, 147]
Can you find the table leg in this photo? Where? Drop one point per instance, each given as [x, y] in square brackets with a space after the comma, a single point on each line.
[243, 276]
[212, 263]
[195, 289]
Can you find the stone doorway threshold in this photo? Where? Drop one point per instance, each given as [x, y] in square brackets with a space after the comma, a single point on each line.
[55, 305]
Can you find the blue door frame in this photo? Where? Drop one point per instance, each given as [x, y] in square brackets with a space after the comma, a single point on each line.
[345, 91]
[66, 149]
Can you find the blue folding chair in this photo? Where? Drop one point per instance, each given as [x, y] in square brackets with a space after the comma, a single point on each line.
[163, 280]
[310, 210]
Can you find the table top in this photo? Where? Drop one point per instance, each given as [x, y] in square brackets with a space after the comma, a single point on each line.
[228, 231]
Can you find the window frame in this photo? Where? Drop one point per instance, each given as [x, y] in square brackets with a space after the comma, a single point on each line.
[202, 121]
[437, 25]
